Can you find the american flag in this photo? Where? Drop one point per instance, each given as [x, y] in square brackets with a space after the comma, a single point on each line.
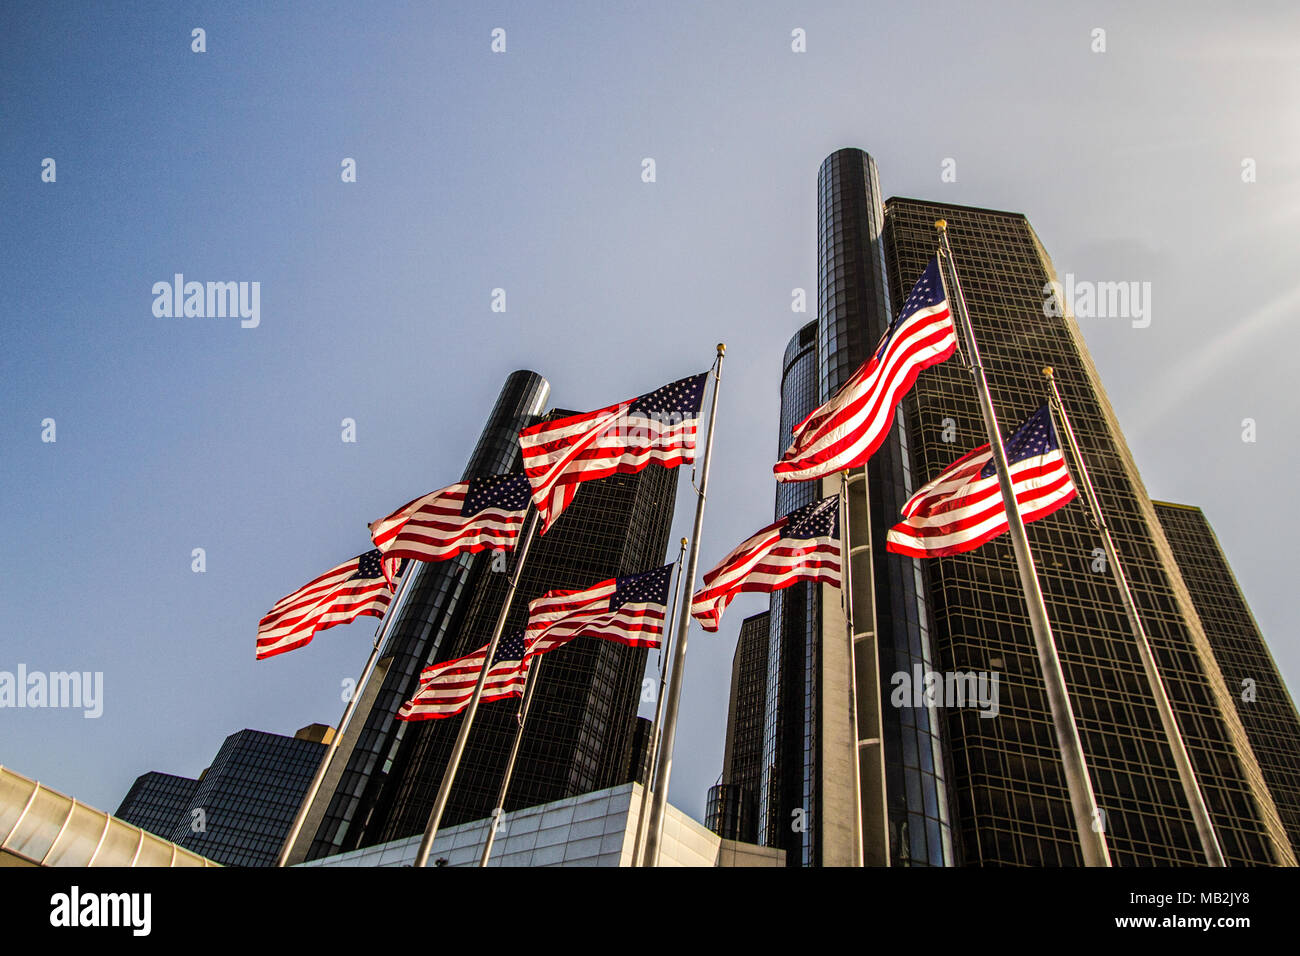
[848, 429]
[629, 610]
[657, 427]
[962, 508]
[802, 546]
[355, 588]
[466, 517]
[445, 689]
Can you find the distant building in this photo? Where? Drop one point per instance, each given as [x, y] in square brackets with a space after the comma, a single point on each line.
[156, 801]
[732, 809]
[1265, 707]
[238, 812]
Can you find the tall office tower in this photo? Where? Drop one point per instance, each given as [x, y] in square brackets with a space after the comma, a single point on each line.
[813, 737]
[1259, 694]
[788, 773]
[360, 779]
[1012, 806]
[732, 808]
[239, 810]
[156, 801]
[582, 727]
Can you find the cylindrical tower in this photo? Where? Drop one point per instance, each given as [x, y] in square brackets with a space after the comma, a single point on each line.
[787, 787]
[436, 602]
[890, 607]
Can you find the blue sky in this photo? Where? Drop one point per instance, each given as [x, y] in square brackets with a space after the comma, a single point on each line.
[522, 171]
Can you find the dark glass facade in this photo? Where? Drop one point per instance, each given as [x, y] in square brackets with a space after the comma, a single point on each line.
[853, 312]
[239, 811]
[733, 810]
[958, 787]
[787, 790]
[1012, 807]
[583, 733]
[156, 801]
[1262, 702]
[433, 610]
[728, 812]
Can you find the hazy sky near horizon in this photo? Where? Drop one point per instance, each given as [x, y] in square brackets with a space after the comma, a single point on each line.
[522, 170]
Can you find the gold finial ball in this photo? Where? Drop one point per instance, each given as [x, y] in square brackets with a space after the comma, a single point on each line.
[941, 224]
[722, 348]
[1048, 371]
[683, 542]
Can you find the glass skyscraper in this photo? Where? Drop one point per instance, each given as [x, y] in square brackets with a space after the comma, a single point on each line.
[238, 812]
[582, 733]
[361, 780]
[732, 808]
[946, 785]
[1258, 692]
[1012, 806]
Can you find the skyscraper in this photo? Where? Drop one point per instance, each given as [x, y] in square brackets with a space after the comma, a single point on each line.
[582, 725]
[1265, 707]
[360, 777]
[156, 801]
[239, 810]
[1011, 802]
[900, 786]
[582, 731]
[948, 785]
[732, 809]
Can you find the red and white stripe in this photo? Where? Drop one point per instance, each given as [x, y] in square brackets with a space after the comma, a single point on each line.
[445, 689]
[432, 528]
[848, 429]
[320, 604]
[560, 454]
[959, 511]
[764, 563]
[558, 617]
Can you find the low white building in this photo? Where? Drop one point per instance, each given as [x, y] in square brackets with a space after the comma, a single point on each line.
[594, 829]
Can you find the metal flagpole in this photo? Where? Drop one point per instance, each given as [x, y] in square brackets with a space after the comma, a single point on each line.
[380, 633]
[1186, 773]
[449, 775]
[534, 675]
[660, 799]
[1087, 818]
[652, 749]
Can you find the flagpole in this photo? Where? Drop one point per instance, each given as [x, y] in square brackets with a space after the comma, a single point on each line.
[380, 633]
[449, 775]
[652, 748]
[1087, 818]
[660, 798]
[1186, 773]
[534, 676]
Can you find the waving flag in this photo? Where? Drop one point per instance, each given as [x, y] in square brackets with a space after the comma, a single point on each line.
[466, 517]
[802, 546]
[355, 588]
[848, 429]
[657, 427]
[962, 508]
[629, 610]
[445, 689]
